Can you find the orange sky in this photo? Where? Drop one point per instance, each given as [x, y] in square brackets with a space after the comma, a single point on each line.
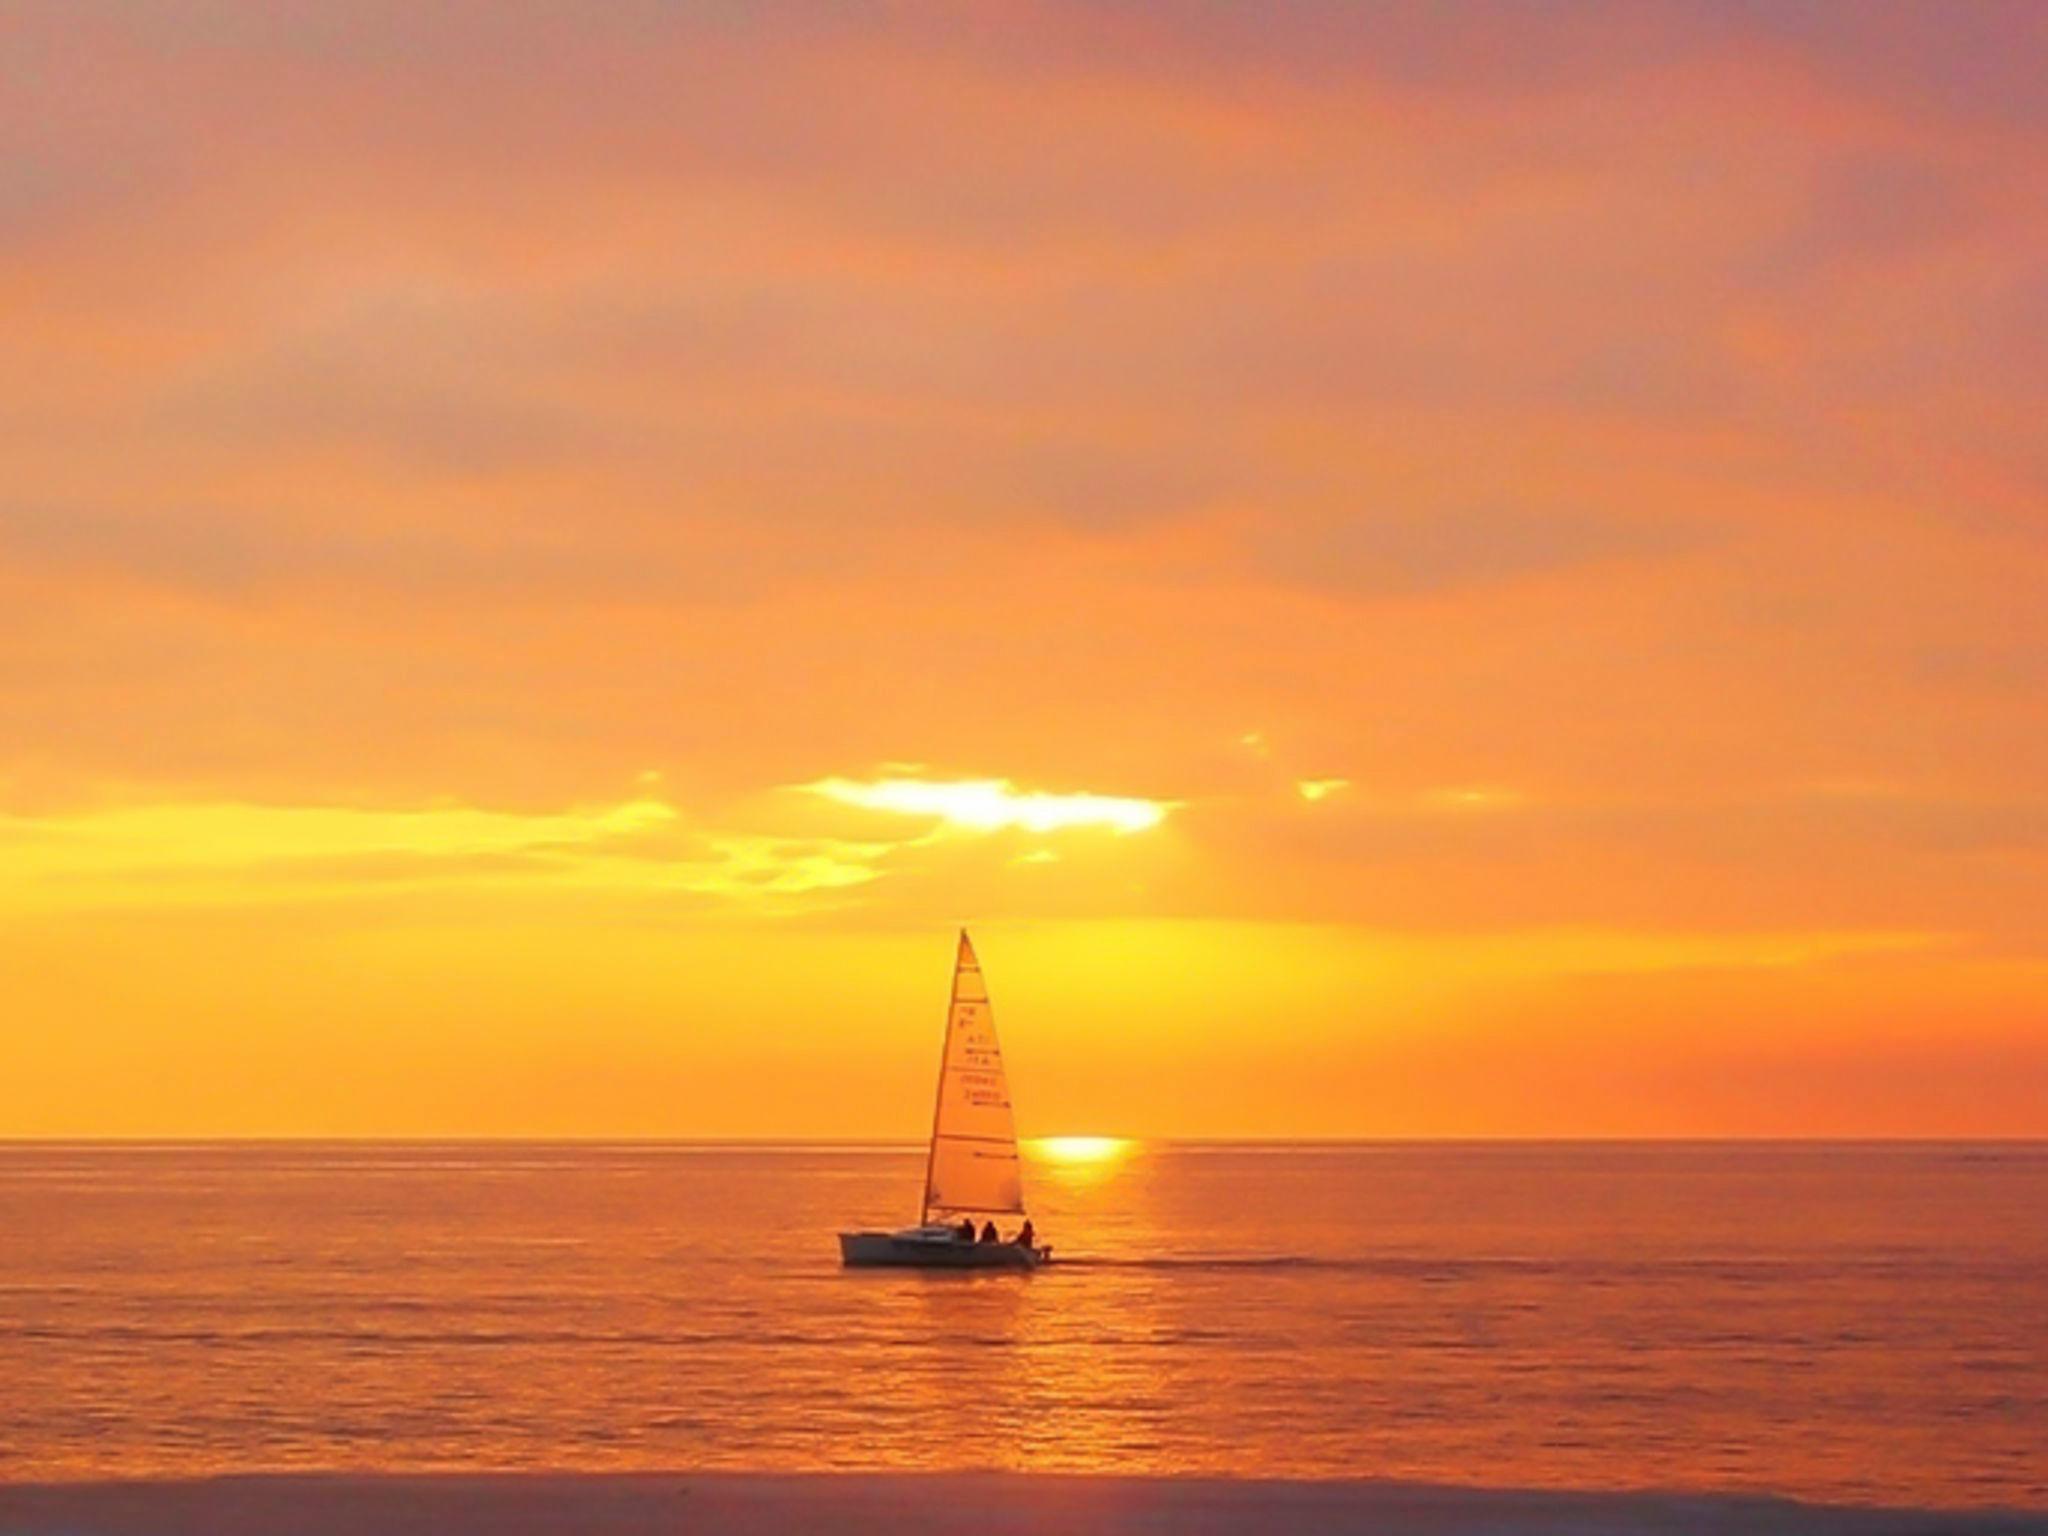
[1411, 570]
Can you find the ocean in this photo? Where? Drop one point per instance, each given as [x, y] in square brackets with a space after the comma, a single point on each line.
[1847, 1323]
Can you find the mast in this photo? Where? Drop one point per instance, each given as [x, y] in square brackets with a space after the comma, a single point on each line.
[931, 1151]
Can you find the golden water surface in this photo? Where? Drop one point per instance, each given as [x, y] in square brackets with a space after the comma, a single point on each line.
[1848, 1322]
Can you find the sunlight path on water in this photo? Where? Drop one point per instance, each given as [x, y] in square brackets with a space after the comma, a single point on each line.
[1606, 1316]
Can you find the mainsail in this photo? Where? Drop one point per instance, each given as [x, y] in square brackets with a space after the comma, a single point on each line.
[973, 1163]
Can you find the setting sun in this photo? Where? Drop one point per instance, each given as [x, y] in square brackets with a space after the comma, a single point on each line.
[1081, 1149]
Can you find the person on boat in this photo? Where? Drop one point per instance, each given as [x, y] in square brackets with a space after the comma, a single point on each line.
[988, 1233]
[965, 1230]
[1025, 1234]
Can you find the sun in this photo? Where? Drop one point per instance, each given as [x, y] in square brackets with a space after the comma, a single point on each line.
[1081, 1149]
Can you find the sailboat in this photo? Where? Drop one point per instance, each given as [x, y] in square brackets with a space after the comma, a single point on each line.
[971, 1169]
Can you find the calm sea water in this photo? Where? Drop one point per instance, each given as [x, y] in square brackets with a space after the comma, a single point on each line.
[1848, 1322]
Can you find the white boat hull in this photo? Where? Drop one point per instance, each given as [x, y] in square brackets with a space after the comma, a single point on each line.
[934, 1248]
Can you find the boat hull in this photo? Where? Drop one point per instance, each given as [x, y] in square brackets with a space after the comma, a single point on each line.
[922, 1249]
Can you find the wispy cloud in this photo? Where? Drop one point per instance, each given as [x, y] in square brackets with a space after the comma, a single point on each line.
[991, 805]
[182, 854]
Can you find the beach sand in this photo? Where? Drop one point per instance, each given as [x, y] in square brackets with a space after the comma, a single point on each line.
[966, 1504]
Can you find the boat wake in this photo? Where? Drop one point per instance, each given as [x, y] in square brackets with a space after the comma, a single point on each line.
[1199, 1262]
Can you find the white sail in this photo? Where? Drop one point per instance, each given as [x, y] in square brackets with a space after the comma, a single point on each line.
[973, 1163]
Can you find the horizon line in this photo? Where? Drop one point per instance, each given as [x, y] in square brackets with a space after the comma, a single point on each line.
[910, 1143]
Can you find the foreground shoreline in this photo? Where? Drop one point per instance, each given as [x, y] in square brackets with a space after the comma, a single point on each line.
[915, 1504]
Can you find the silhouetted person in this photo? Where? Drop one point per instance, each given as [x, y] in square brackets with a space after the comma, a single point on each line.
[988, 1234]
[1025, 1234]
[966, 1229]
